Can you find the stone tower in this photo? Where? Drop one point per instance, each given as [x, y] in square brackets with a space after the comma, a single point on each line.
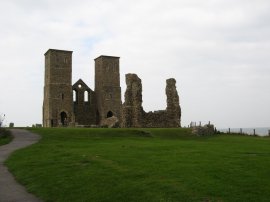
[107, 87]
[173, 108]
[132, 108]
[58, 102]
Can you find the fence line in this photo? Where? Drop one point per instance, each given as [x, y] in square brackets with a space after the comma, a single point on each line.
[248, 131]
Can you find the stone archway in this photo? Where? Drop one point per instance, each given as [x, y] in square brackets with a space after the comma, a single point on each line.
[64, 118]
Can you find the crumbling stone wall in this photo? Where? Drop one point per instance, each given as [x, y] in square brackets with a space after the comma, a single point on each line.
[103, 106]
[208, 129]
[133, 114]
[173, 107]
[156, 119]
[132, 110]
[84, 107]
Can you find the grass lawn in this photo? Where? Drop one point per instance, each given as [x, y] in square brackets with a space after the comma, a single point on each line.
[5, 136]
[143, 165]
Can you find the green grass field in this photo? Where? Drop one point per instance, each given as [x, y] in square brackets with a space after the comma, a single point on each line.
[5, 136]
[143, 165]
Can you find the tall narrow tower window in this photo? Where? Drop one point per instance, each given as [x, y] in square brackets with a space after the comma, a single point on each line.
[65, 60]
[74, 96]
[62, 96]
[86, 96]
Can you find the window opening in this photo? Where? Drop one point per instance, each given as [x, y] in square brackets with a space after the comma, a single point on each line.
[74, 96]
[86, 96]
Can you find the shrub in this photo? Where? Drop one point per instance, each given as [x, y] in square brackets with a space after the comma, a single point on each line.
[4, 133]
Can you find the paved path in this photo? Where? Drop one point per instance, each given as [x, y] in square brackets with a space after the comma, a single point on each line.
[10, 190]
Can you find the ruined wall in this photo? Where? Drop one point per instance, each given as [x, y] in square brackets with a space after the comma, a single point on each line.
[156, 119]
[173, 107]
[207, 129]
[132, 111]
[84, 103]
[133, 114]
[102, 106]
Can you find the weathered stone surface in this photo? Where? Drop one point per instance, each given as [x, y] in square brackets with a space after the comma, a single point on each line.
[84, 104]
[57, 104]
[133, 114]
[88, 107]
[78, 105]
[132, 111]
[156, 119]
[208, 129]
[111, 122]
[107, 87]
[173, 107]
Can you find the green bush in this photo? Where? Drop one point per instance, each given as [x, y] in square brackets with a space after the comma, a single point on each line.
[5, 136]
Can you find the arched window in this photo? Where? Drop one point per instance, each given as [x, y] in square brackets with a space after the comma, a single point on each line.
[86, 96]
[74, 96]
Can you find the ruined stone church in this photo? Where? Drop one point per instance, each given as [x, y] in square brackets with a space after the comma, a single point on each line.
[65, 104]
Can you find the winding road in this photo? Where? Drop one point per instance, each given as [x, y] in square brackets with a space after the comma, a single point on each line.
[10, 190]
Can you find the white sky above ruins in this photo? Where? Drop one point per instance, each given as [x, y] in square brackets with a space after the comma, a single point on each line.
[217, 50]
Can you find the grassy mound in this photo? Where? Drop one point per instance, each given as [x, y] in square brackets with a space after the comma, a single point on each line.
[5, 136]
[143, 165]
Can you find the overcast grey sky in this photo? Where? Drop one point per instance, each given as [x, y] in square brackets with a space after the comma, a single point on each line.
[217, 50]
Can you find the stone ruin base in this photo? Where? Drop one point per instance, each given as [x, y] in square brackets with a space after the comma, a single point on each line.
[133, 115]
[207, 129]
[111, 122]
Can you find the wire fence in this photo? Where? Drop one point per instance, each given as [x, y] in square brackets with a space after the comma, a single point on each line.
[248, 131]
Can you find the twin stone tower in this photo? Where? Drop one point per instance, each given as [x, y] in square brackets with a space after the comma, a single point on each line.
[65, 104]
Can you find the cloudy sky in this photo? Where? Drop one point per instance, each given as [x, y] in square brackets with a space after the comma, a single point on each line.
[217, 50]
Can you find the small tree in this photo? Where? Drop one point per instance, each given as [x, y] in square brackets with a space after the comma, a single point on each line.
[2, 118]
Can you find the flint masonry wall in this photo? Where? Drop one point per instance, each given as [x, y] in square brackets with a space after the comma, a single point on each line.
[107, 87]
[156, 119]
[173, 108]
[132, 111]
[57, 103]
[133, 114]
[102, 106]
[84, 104]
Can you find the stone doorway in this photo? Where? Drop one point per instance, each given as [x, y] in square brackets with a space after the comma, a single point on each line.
[64, 118]
[109, 114]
